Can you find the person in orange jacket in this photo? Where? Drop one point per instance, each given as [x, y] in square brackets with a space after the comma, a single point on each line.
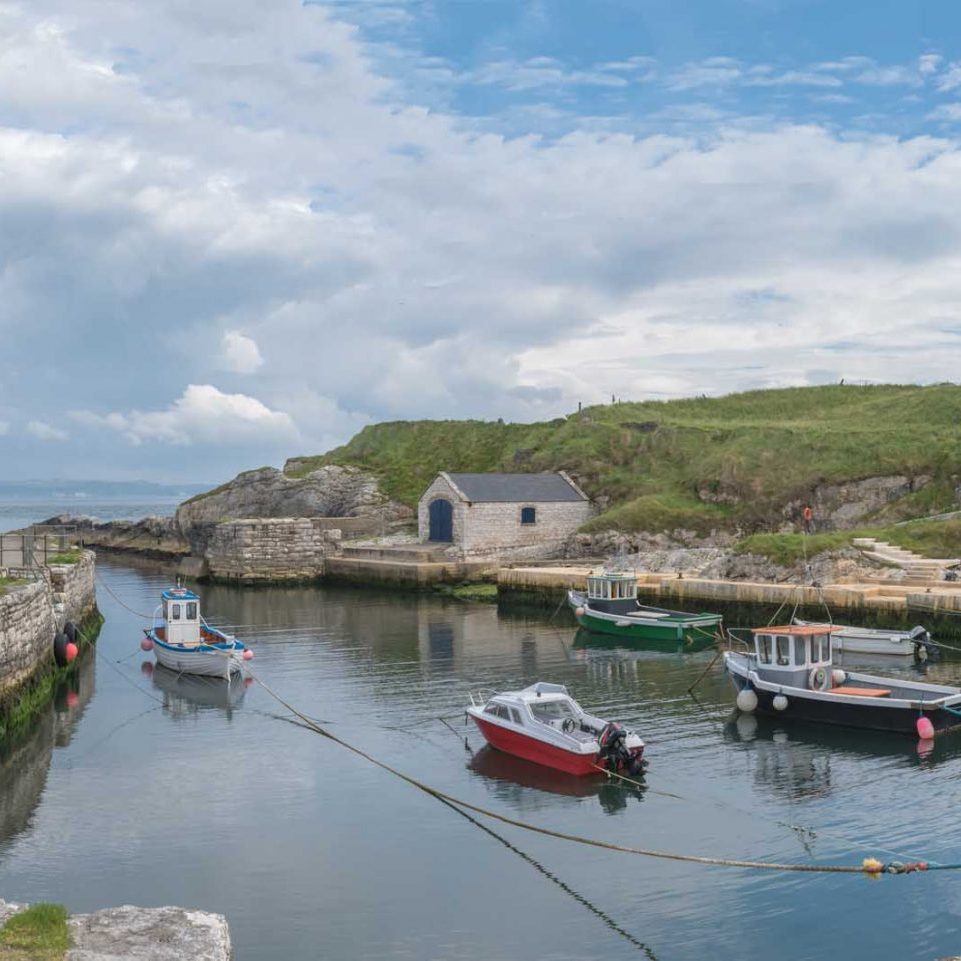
[808, 516]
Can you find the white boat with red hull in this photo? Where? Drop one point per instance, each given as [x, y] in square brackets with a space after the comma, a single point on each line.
[544, 724]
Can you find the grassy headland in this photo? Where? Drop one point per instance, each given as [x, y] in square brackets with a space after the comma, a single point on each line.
[704, 463]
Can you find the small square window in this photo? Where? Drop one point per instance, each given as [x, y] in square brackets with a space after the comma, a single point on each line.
[528, 515]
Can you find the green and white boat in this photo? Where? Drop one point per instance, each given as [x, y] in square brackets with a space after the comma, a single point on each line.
[610, 606]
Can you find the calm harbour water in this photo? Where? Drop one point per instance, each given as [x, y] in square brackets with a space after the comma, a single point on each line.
[150, 790]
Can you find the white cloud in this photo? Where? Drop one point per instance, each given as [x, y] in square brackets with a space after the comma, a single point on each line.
[240, 353]
[203, 414]
[950, 112]
[44, 431]
[950, 79]
[929, 63]
[395, 260]
[538, 72]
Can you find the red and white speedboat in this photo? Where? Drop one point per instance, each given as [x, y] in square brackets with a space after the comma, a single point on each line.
[544, 724]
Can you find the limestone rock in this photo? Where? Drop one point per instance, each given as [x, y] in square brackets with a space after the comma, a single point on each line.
[149, 934]
[329, 491]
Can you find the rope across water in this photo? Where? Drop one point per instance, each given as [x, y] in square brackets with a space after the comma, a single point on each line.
[870, 866]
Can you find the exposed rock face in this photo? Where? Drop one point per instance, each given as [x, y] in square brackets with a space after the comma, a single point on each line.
[613, 543]
[842, 506]
[158, 536]
[329, 491]
[149, 934]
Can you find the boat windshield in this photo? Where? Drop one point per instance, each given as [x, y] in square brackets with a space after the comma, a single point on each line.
[551, 710]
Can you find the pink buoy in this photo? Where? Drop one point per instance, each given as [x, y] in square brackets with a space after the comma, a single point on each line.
[146, 644]
[925, 728]
[71, 651]
[579, 612]
[146, 668]
[248, 655]
[73, 699]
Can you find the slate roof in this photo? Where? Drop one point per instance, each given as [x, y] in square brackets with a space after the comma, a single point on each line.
[533, 488]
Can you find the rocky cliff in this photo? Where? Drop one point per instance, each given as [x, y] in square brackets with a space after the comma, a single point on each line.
[329, 491]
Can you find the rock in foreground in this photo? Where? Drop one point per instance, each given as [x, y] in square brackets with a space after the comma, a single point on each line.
[149, 934]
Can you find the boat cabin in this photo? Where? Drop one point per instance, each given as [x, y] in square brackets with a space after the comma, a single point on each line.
[788, 655]
[612, 591]
[180, 613]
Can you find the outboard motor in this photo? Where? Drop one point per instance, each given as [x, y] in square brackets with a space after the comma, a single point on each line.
[923, 645]
[614, 751]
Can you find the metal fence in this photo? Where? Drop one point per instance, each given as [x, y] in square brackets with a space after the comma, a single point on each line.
[38, 545]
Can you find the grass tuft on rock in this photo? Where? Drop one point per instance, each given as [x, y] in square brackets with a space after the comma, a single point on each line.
[66, 557]
[38, 934]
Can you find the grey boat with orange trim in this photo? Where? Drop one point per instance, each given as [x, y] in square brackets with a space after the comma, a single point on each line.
[790, 674]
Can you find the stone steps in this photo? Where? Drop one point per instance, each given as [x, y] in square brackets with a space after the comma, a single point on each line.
[919, 570]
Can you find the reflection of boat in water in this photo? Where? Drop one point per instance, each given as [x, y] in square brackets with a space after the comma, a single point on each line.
[509, 770]
[586, 643]
[188, 693]
[750, 730]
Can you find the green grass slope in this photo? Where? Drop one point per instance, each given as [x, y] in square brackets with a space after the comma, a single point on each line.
[699, 463]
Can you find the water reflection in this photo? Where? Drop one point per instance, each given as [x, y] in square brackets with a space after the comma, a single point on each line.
[26, 755]
[793, 759]
[510, 776]
[186, 695]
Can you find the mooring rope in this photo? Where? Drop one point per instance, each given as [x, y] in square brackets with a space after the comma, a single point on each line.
[870, 866]
[108, 589]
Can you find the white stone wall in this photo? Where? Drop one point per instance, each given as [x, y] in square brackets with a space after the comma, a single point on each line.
[32, 614]
[271, 548]
[74, 588]
[440, 488]
[496, 529]
[27, 629]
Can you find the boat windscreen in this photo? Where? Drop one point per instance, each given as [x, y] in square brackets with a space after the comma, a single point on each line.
[551, 710]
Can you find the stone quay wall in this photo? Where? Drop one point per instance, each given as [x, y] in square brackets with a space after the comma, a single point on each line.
[27, 629]
[271, 549]
[31, 615]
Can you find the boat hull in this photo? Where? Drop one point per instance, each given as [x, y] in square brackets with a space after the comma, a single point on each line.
[854, 640]
[205, 661]
[845, 712]
[690, 633]
[540, 752]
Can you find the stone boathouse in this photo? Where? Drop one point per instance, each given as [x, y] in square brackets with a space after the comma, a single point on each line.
[503, 515]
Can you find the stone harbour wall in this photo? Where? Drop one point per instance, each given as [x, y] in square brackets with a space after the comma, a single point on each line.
[27, 629]
[74, 588]
[32, 613]
[271, 549]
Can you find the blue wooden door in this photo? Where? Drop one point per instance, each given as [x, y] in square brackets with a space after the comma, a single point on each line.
[441, 520]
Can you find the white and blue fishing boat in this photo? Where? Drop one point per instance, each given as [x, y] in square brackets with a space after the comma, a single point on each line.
[184, 642]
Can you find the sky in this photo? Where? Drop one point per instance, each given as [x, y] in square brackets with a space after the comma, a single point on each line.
[236, 231]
